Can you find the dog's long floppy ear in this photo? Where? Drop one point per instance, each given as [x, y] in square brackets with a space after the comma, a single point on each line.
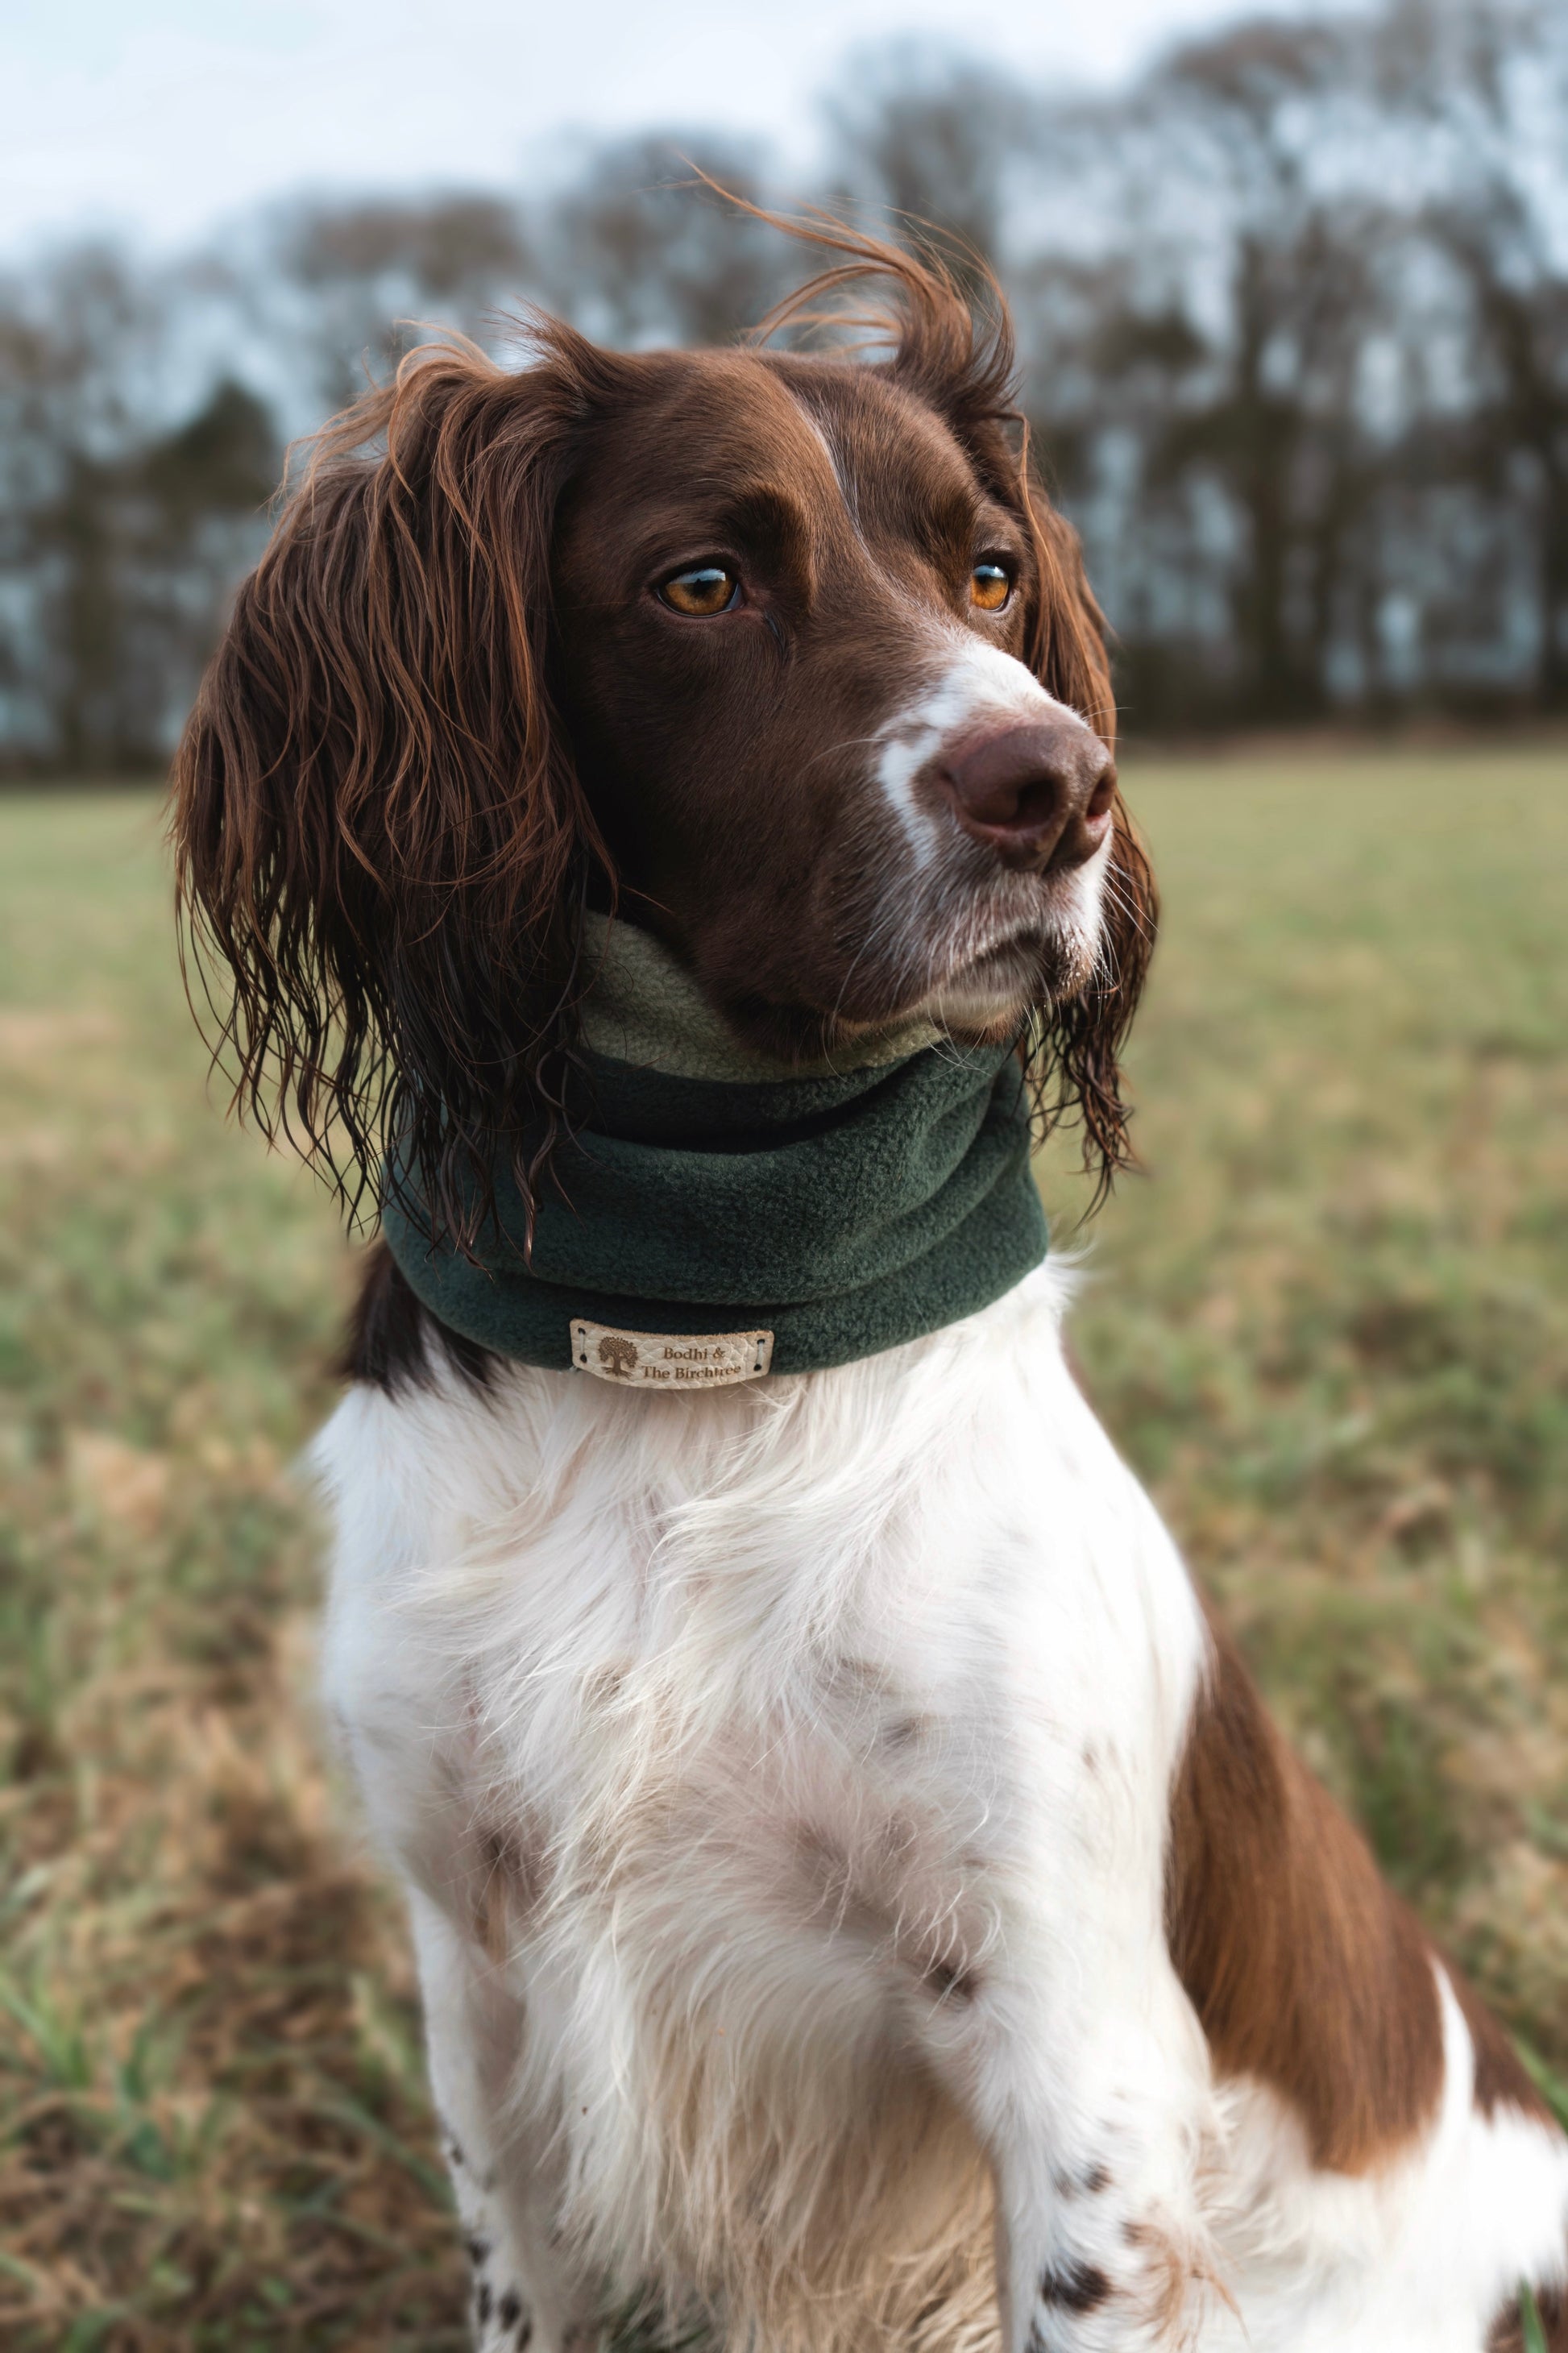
[1075, 1064]
[381, 849]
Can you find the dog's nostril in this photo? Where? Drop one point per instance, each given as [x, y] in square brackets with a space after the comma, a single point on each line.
[1037, 798]
[1098, 802]
[1026, 804]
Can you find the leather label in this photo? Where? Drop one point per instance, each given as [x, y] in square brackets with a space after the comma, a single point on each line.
[672, 1360]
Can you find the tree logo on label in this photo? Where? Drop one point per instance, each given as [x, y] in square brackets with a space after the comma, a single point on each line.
[618, 1356]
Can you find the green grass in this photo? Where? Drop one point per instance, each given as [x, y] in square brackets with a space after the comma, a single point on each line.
[1330, 1325]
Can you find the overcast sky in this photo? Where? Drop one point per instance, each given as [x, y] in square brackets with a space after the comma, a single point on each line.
[155, 118]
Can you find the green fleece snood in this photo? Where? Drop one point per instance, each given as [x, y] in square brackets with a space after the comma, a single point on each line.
[721, 1216]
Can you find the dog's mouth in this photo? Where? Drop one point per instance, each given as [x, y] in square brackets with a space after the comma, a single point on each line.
[984, 998]
[980, 993]
[984, 987]
[990, 993]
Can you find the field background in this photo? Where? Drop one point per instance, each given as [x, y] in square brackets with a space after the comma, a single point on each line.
[1329, 1326]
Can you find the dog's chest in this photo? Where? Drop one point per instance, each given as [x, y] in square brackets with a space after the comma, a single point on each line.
[845, 1690]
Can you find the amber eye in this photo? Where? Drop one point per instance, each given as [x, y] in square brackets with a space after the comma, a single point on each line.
[706, 589]
[990, 586]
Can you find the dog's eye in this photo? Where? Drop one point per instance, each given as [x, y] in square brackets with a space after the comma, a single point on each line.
[990, 586]
[706, 589]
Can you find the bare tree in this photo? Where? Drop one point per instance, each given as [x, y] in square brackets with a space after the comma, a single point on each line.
[928, 137]
[1490, 79]
[639, 252]
[351, 284]
[121, 530]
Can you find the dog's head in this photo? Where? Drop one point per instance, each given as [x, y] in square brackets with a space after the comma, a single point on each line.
[786, 653]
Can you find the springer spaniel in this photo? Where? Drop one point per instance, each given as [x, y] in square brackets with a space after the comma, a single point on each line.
[860, 1900]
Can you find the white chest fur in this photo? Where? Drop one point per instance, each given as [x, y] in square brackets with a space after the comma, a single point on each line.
[770, 1740]
[913, 1614]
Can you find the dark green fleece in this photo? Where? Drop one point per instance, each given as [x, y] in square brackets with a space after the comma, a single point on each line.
[844, 1212]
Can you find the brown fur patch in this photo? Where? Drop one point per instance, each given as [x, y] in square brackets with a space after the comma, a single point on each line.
[395, 1343]
[1501, 2080]
[1304, 1970]
[1075, 2287]
[1507, 2332]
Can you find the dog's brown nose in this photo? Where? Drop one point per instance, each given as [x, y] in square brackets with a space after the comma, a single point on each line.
[1040, 795]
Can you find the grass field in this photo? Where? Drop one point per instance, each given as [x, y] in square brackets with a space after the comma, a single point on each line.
[1329, 1326]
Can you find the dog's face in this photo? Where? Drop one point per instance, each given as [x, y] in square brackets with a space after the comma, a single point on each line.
[792, 627]
[786, 655]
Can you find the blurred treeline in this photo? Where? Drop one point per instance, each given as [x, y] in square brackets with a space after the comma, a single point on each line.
[1293, 309]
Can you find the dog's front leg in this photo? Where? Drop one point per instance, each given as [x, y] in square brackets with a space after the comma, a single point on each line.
[1094, 2121]
[526, 2292]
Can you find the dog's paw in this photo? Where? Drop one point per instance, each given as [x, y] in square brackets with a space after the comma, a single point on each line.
[501, 2319]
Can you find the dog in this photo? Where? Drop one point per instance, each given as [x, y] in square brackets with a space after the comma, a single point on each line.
[859, 1899]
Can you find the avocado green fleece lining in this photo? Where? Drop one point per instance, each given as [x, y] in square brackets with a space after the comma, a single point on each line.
[846, 1212]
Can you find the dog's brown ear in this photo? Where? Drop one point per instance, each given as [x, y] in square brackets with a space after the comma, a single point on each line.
[381, 849]
[1076, 1061]
[1066, 629]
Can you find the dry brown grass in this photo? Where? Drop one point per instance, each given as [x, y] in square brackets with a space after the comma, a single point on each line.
[213, 2128]
[1332, 1330]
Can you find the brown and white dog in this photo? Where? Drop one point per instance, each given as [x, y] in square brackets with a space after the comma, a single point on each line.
[861, 1901]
